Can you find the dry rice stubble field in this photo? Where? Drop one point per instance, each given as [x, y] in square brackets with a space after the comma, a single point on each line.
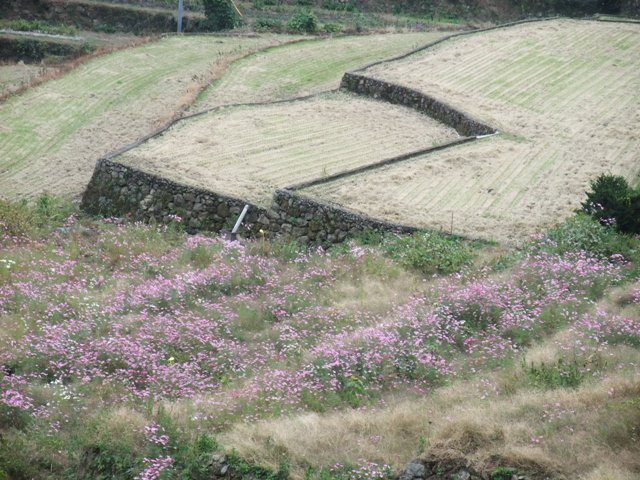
[564, 93]
[305, 68]
[248, 152]
[52, 135]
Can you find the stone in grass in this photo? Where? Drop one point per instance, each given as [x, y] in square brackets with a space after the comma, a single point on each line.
[218, 464]
[413, 470]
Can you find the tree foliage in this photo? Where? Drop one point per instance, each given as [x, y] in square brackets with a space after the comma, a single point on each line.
[572, 8]
[613, 202]
[219, 14]
[304, 22]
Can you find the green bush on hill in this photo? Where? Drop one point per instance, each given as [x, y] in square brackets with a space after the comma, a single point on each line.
[220, 14]
[305, 22]
[613, 202]
[429, 252]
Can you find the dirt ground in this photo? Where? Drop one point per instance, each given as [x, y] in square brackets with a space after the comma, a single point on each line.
[564, 95]
[249, 152]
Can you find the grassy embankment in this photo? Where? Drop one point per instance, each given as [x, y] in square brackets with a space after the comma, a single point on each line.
[132, 350]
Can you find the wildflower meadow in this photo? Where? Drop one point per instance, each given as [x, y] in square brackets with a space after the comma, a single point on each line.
[128, 350]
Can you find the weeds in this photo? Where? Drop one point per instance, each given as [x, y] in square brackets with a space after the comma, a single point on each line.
[562, 373]
[22, 220]
[502, 473]
[429, 252]
[24, 25]
[303, 22]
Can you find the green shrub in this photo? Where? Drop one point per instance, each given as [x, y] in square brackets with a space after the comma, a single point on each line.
[503, 473]
[268, 24]
[347, 6]
[22, 219]
[305, 22]
[613, 202]
[105, 28]
[16, 219]
[332, 28]
[219, 14]
[562, 373]
[583, 233]
[352, 391]
[429, 252]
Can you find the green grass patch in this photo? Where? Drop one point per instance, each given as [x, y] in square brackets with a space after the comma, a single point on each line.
[429, 252]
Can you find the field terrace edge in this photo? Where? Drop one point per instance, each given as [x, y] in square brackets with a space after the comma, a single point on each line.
[116, 190]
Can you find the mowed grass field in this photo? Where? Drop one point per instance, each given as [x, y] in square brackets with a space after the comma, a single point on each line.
[564, 95]
[52, 135]
[305, 68]
[248, 152]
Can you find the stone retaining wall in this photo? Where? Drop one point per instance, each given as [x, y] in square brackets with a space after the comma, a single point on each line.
[117, 190]
[390, 92]
[120, 190]
[322, 223]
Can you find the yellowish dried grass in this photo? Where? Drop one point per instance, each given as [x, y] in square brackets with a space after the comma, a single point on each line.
[515, 430]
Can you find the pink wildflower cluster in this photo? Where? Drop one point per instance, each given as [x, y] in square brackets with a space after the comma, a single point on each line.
[15, 399]
[154, 433]
[154, 467]
[246, 334]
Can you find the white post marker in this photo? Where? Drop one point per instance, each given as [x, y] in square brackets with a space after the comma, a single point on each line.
[179, 16]
[240, 218]
[478, 137]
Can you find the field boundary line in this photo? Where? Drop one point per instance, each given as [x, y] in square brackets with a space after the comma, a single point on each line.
[599, 18]
[159, 131]
[380, 164]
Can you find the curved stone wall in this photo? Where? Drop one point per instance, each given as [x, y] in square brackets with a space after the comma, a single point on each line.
[390, 92]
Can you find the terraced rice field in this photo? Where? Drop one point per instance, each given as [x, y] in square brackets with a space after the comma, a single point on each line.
[248, 152]
[565, 96]
[305, 68]
[52, 135]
